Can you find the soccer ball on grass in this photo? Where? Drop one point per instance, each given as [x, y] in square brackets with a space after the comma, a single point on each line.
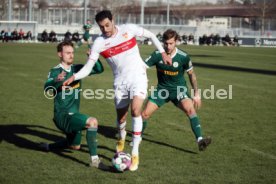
[121, 161]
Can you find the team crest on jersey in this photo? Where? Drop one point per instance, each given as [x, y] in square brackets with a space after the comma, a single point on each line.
[160, 61]
[175, 64]
[125, 35]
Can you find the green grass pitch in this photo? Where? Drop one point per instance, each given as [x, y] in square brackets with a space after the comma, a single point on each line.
[243, 128]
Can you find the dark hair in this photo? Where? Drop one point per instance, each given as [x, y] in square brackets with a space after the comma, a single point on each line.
[62, 44]
[170, 34]
[103, 15]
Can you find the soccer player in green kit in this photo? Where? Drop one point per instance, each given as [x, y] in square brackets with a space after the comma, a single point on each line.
[86, 35]
[67, 117]
[171, 79]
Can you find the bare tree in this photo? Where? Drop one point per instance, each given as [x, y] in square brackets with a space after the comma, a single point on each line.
[22, 3]
[262, 9]
[64, 3]
[42, 4]
[3, 9]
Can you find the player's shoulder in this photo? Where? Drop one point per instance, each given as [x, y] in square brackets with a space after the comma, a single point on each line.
[183, 56]
[99, 39]
[128, 27]
[182, 53]
[56, 68]
[156, 52]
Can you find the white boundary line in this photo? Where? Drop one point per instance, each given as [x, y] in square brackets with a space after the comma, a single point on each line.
[267, 155]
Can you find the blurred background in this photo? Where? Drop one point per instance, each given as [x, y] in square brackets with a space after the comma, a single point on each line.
[248, 20]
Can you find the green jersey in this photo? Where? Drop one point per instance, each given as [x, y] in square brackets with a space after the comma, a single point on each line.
[67, 102]
[86, 34]
[170, 76]
[87, 27]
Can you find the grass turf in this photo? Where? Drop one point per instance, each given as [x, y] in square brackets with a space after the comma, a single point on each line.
[243, 128]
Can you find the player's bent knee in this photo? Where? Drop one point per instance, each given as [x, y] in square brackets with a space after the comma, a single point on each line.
[92, 123]
[190, 111]
[135, 112]
[75, 147]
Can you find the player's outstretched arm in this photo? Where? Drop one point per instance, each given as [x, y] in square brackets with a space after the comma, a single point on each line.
[84, 72]
[193, 81]
[158, 45]
[97, 69]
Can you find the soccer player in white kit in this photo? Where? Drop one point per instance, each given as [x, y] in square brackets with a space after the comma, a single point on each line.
[118, 46]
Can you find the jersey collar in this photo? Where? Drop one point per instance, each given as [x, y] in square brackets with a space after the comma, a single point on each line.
[67, 70]
[176, 50]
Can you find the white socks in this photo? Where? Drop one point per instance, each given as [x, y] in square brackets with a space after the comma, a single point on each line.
[137, 124]
[199, 139]
[122, 130]
[94, 157]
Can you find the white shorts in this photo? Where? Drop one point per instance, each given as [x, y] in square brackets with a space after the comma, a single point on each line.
[126, 88]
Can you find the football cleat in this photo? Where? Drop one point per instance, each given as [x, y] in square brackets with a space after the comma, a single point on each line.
[97, 163]
[203, 143]
[120, 145]
[134, 163]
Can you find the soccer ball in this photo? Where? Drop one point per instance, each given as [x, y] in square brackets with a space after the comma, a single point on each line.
[121, 161]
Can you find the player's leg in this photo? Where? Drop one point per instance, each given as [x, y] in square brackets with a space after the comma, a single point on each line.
[138, 93]
[78, 122]
[186, 105]
[91, 138]
[74, 140]
[89, 42]
[121, 101]
[137, 124]
[121, 126]
[60, 121]
[154, 102]
[149, 109]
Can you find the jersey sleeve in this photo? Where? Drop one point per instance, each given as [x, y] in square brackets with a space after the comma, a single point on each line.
[93, 57]
[188, 65]
[50, 82]
[152, 59]
[135, 29]
[96, 49]
[98, 68]
[141, 32]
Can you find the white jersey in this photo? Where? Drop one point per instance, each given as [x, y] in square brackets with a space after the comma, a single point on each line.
[121, 51]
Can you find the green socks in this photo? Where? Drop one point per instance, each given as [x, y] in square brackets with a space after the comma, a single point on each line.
[145, 124]
[91, 138]
[195, 126]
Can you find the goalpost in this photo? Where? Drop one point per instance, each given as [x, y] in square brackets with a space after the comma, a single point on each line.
[24, 25]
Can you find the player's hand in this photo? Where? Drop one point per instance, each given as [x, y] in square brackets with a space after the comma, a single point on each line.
[197, 101]
[69, 81]
[61, 76]
[167, 59]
